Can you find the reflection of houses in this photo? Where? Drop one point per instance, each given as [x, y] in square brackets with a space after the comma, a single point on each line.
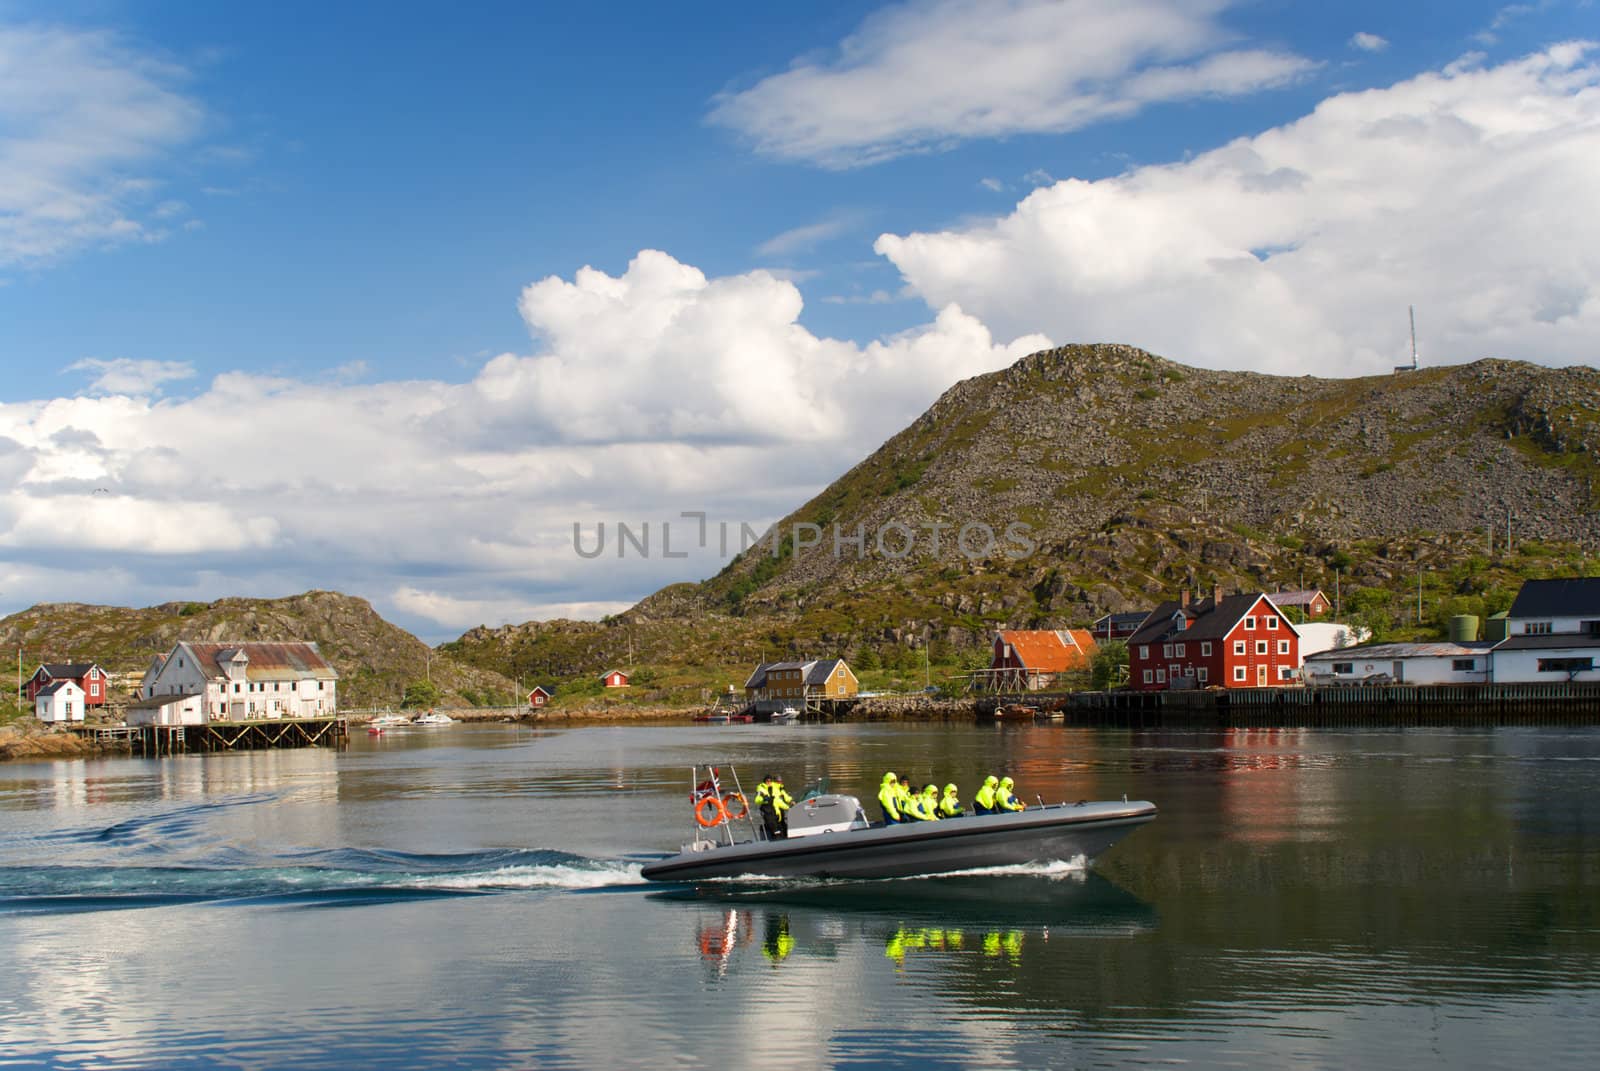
[59, 702]
[90, 679]
[1118, 626]
[1309, 605]
[779, 683]
[1238, 641]
[1402, 663]
[540, 695]
[1553, 633]
[614, 678]
[1033, 659]
[237, 681]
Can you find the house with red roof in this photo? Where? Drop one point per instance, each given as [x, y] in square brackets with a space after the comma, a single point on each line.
[1034, 659]
[1233, 641]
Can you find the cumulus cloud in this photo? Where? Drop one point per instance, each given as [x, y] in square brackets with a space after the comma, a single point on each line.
[1368, 42]
[650, 393]
[82, 112]
[1466, 192]
[123, 375]
[917, 77]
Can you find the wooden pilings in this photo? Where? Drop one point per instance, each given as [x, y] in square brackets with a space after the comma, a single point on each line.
[155, 740]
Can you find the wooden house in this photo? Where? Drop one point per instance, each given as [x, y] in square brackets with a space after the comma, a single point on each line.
[614, 678]
[89, 677]
[59, 702]
[540, 695]
[1036, 659]
[1237, 641]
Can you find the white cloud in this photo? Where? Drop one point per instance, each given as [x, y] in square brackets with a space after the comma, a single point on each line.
[800, 239]
[918, 77]
[123, 375]
[1368, 42]
[1467, 192]
[653, 392]
[993, 185]
[81, 111]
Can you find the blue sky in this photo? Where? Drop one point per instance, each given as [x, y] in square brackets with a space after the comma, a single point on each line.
[312, 278]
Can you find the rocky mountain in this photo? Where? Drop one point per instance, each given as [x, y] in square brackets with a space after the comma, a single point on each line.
[1089, 479]
[376, 660]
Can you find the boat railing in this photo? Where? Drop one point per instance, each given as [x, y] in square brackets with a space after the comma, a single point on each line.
[711, 783]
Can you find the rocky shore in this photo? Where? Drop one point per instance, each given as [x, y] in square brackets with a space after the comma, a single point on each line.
[28, 740]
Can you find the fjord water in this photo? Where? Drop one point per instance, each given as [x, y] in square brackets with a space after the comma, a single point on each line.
[469, 897]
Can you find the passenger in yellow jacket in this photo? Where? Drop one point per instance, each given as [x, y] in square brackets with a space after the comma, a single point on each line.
[1004, 800]
[950, 803]
[930, 800]
[889, 800]
[983, 802]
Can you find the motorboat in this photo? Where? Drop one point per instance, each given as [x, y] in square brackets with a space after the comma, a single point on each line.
[830, 836]
[713, 717]
[786, 716]
[431, 718]
[385, 721]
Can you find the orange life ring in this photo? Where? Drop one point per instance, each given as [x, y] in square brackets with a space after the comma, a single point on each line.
[727, 811]
[717, 815]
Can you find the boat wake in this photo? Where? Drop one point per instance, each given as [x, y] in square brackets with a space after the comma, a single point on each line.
[319, 878]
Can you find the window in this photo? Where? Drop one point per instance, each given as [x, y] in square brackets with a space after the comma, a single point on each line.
[1285, 673]
[1238, 647]
[1166, 650]
[1283, 647]
[1205, 649]
[1201, 674]
[1144, 651]
[1272, 623]
[1261, 647]
[1464, 665]
[1188, 671]
[1565, 665]
[1161, 676]
[1536, 628]
[1148, 676]
[1344, 667]
[1179, 650]
[1238, 673]
[1250, 623]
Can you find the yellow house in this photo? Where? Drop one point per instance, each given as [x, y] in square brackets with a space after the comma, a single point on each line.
[827, 678]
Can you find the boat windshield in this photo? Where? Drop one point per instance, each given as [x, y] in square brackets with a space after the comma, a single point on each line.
[816, 788]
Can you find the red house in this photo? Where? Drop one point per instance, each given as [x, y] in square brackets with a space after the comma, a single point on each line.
[1312, 603]
[86, 675]
[540, 696]
[614, 678]
[1237, 641]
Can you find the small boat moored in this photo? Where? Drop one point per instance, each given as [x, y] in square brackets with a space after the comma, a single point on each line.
[430, 718]
[830, 836]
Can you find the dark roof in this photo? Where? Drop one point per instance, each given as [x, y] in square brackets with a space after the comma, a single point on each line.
[1207, 620]
[59, 670]
[56, 686]
[758, 676]
[1577, 596]
[1577, 641]
[541, 688]
[818, 672]
[1128, 620]
[1384, 652]
[1297, 598]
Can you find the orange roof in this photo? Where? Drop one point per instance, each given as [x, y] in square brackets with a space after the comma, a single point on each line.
[1050, 651]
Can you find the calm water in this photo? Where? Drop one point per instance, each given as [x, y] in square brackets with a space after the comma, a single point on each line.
[469, 897]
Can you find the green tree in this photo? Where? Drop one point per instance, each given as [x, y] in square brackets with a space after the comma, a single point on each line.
[423, 693]
[1109, 667]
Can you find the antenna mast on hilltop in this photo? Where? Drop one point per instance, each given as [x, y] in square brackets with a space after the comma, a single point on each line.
[1412, 367]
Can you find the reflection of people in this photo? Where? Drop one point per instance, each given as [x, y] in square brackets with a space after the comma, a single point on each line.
[950, 803]
[779, 942]
[983, 802]
[889, 799]
[1004, 800]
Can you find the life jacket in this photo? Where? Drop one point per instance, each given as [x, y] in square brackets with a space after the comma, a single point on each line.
[950, 806]
[889, 798]
[1006, 801]
[985, 798]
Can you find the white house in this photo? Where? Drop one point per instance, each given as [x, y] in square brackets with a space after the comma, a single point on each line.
[1328, 635]
[185, 709]
[245, 681]
[1553, 633]
[1402, 663]
[59, 702]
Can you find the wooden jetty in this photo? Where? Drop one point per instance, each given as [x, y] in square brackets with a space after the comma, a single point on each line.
[1358, 706]
[155, 740]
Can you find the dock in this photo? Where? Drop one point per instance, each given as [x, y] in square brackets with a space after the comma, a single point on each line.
[156, 740]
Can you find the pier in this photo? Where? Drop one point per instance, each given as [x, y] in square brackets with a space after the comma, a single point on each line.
[155, 740]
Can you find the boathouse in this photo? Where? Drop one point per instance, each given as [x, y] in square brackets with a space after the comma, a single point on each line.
[539, 695]
[246, 681]
[614, 678]
[1035, 659]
